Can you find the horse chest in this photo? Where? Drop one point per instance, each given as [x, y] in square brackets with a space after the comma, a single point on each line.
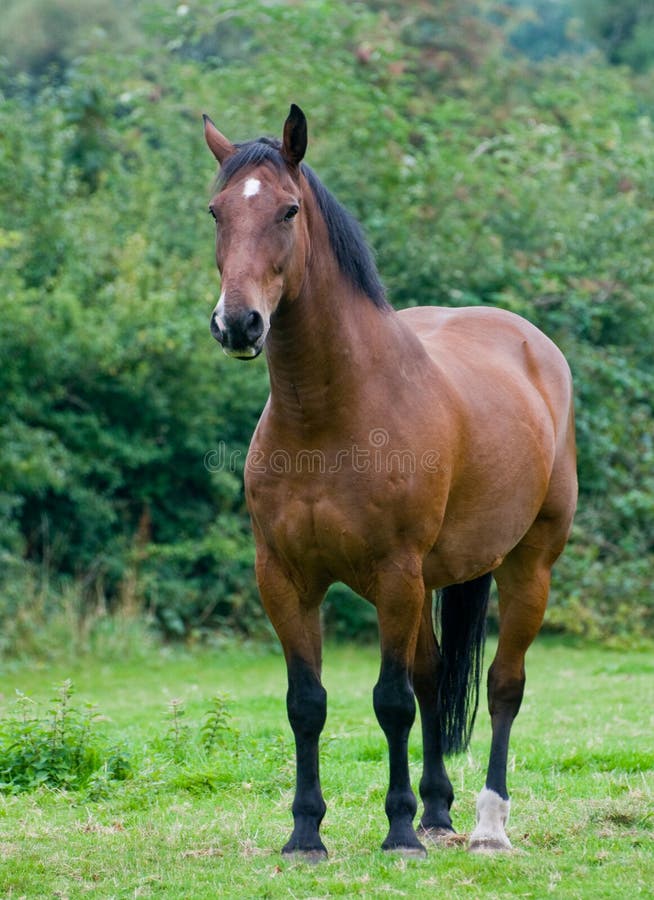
[339, 525]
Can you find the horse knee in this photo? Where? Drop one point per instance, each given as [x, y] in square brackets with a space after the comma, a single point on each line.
[306, 700]
[394, 701]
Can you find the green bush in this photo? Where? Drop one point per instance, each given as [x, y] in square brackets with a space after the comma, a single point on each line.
[480, 177]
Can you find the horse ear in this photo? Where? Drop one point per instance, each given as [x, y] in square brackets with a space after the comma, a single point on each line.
[294, 144]
[217, 142]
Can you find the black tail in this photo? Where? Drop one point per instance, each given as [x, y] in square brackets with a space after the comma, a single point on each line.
[462, 636]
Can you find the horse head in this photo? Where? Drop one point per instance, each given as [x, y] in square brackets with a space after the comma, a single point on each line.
[261, 232]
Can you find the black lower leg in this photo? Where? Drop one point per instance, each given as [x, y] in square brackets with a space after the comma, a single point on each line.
[435, 787]
[436, 790]
[307, 709]
[395, 710]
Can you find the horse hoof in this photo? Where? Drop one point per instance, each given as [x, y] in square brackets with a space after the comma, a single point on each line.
[490, 845]
[415, 851]
[312, 857]
[443, 837]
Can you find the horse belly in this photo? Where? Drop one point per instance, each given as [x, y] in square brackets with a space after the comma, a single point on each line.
[480, 527]
[462, 557]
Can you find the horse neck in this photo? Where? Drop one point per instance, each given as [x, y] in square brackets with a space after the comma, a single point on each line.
[321, 346]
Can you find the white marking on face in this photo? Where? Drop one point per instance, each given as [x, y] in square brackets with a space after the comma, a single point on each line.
[252, 187]
[219, 312]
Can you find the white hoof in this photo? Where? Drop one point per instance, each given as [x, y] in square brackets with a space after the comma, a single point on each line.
[489, 835]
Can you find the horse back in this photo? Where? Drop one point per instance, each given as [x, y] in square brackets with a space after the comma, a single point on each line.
[494, 359]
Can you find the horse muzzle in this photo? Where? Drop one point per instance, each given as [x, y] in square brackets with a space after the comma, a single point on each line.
[240, 334]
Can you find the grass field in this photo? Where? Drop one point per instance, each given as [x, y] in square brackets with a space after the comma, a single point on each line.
[195, 824]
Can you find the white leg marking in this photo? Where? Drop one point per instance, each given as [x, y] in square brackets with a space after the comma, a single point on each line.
[492, 816]
[252, 187]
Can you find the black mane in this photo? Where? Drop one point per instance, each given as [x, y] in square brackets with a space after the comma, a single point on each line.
[353, 255]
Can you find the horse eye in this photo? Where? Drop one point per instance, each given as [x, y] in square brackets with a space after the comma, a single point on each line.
[212, 213]
[291, 212]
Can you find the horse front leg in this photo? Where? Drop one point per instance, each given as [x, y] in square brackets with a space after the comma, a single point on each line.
[306, 703]
[296, 619]
[399, 599]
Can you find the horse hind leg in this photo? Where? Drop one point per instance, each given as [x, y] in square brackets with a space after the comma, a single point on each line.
[436, 790]
[523, 582]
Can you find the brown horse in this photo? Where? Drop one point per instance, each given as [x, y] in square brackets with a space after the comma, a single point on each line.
[399, 453]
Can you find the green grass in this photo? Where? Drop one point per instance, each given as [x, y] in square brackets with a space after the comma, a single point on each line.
[205, 826]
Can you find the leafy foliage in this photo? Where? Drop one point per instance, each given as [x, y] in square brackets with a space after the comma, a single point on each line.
[623, 28]
[217, 727]
[62, 749]
[65, 747]
[191, 756]
[480, 175]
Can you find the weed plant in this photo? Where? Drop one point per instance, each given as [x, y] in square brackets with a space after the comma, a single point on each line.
[61, 748]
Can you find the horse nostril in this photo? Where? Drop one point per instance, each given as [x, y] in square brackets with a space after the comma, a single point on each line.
[253, 325]
[215, 328]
